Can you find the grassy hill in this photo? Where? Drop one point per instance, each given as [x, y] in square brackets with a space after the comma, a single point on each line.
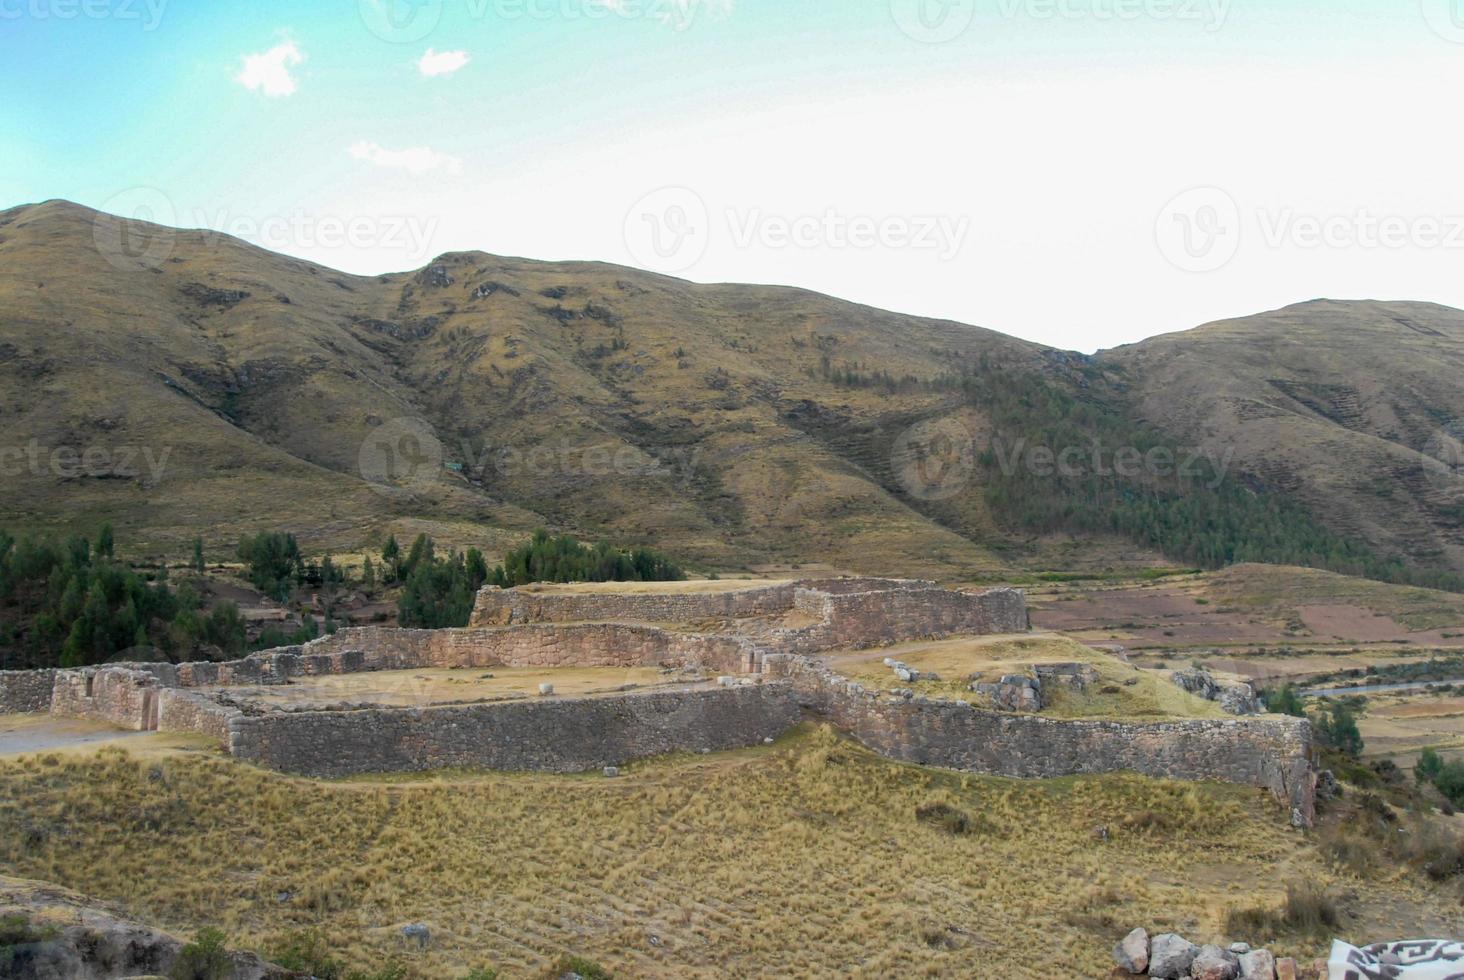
[732, 426]
[1356, 409]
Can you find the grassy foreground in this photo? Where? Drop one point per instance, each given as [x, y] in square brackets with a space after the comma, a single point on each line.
[805, 858]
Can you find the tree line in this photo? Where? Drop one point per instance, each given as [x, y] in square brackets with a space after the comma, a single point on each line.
[1192, 514]
[71, 603]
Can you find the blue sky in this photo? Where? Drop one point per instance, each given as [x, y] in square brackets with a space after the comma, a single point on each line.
[1079, 172]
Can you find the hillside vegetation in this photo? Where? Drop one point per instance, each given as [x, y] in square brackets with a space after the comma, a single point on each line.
[209, 386]
[733, 865]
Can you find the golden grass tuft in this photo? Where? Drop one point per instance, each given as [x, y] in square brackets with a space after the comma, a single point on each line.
[805, 858]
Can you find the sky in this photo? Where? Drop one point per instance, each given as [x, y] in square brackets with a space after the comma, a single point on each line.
[1082, 173]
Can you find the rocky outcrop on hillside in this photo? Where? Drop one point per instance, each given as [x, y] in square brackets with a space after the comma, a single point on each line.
[48, 932]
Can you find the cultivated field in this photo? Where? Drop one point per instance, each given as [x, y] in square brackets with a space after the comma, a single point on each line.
[805, 858]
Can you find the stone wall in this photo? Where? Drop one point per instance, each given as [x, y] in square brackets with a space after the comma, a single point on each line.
[855, 620]
[122, 696]
[188, 711]
[372, 648]
[500, 607]
[1274, 753]
[25, 691]
[548, 735]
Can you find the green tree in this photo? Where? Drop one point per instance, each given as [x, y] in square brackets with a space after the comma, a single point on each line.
[391, 557]
[1285, 701]
[439, 592]
[368, 574]
[563, 559]
[206, 958]
[198, 565]
[274, 562]
[1430, 764]
[105, 544]
[1450, 782]
[1338, 729]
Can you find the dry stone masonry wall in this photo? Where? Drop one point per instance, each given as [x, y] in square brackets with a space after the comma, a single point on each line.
[779, 677]
[25, 691]
[1273, 753]
[549, 735]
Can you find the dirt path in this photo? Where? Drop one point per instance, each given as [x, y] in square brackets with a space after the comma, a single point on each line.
[20, 734]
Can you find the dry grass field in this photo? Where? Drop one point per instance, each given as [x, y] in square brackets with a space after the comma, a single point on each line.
[805, 858]
[444, 686]
[1122, 690]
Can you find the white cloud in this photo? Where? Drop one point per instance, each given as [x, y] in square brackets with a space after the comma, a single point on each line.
[441, 62]
[416, 159]
[269, 71]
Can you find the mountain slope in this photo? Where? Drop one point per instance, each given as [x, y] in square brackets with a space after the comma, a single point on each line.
[708, 419]
[734, 426]
[1354, 408]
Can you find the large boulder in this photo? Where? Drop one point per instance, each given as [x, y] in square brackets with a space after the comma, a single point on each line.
[1258, 964]
[1132, 952]
[1014, 692]
[1214, 963]
[1235, 699]
[1171, 956]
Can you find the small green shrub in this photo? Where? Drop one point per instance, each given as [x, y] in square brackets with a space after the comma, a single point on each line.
[206, 958]
[588, 969]
[944, 817]
[306, 952]
[1308, 911]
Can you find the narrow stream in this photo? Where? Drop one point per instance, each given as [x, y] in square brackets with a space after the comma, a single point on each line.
[1338, 692]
